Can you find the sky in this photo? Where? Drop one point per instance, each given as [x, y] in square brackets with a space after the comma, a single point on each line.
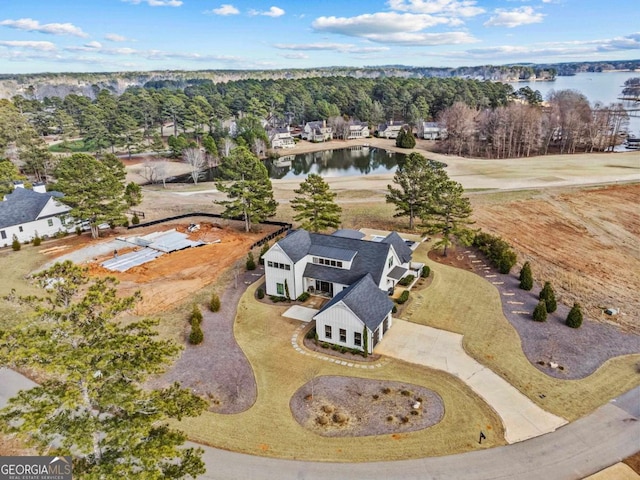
[137, 35]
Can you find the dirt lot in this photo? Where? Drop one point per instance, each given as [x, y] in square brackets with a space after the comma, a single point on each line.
[171, 278]
[584, 241]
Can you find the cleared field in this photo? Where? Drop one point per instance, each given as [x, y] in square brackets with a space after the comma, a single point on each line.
[585, 241]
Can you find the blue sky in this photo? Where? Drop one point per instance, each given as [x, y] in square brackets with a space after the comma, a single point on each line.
[116, 35]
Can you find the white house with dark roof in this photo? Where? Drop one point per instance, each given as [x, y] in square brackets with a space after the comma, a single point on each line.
[317, 131]
[389, 129]
[358, 130]
[25, 213]
[281, 138]
[358, 275]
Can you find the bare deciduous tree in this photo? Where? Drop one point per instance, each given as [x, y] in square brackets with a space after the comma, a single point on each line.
[195, 158]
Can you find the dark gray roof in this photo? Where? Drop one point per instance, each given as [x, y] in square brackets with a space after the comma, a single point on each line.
[399, 245]
[397, 273]
[296, 244]
[22, 206]
[332, 252]
[366, 300]
[347, 233]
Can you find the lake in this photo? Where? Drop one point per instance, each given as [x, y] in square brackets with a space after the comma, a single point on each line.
[603, 87]
[355, 160]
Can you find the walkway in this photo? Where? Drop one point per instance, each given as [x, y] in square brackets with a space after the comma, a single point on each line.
[443, 350]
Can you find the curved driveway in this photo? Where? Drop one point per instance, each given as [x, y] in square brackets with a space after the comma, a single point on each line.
[574, 451]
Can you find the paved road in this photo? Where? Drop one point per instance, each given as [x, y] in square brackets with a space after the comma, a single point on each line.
[574, 451]
[423, 345]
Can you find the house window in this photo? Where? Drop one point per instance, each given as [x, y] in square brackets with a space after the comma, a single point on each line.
[327, 331]
[390, 262]
[343, 335]
[287, 267]
[280, 288]
[3, 234]
[269, 264]
[357, 339]
[20, 229]
[339, 264]
[50, 222]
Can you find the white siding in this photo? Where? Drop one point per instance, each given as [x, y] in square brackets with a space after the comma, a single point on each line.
[53, 207]
[29, 230]
[384, 283]
[273, 275]
[337, 317]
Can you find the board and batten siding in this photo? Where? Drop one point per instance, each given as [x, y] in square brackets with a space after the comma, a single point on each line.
[29, 230]
[274, 276]
[337, 317]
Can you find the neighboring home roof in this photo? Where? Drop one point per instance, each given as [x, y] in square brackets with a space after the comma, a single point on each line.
[392, 126]
[347, 233]
[23, 206]
[399, 245]
[332, 252]
[430, 125]
[370, 304]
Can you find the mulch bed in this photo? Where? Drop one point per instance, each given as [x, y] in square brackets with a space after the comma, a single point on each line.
[577, 352]
[333, 406]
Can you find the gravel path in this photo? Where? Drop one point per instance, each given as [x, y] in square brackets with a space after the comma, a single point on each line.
[579, 352]
[217, 368]
[357, 407]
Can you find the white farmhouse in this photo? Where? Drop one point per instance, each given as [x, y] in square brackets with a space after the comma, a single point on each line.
[281, 138]
[389, 130]
[356, 274]
[26, 213]
[433, 131]
[317, 131]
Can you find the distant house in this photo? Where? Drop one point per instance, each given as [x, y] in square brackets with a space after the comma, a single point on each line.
[389, 130]
[358, 130]
[317, 131]
[433, 131]
[26, 213]
[356, 274]
[281, 138]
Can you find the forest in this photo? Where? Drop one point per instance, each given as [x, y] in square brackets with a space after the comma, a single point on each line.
[482, 118]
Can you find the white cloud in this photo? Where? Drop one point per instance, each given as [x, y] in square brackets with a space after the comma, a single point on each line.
[461, 8]
[28, 44]
[114, 37]
[377, 23]
[272, 12]
[31, 25]
[337, 47]
[514, 18]
[224, 9]
[157, 3]
[295, 56]
[93, 44]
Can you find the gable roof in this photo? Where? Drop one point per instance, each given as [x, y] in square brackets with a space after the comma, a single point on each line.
[399, 245]
[348, 233]
[370, 304]
[296, 244]
[22, 206]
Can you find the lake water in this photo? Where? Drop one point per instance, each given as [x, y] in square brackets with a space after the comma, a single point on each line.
[603, 87]
[335, 163]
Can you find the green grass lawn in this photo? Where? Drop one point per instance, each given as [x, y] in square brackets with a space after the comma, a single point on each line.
[74, 146]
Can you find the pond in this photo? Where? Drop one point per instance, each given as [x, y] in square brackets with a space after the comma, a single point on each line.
[356, 160]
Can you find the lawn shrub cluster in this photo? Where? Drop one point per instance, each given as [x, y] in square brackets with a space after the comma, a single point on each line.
[260, 293]
[304, 296]
[497, 251]
[37, 240]
[15, 244]
[277, 298]
[526, 277]
[426, 271]
[548, 295]
[196, 337]
[196, 315]
[251, 263]
[406, 281]
[404, 296]
[214, 303]
[574, 318]
[540, 312]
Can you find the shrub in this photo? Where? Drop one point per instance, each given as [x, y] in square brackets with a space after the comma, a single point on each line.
[405, 393]
[540, 312]
[547, 294]
[251, 263]
[265, 249]
[135, 220]
[406, 281]
[196, 315]
[498, 251]
[426, 271]
[526, 278]
[340, 418]
[260, 293]
[78, 231]
[304, 296]
[37, 240]
[404, 296]
[214, 304]
[15, 244]
[327, 408]
[574, 319]
[196, 336]
[394, 309]
[311, 334]
[322, 420]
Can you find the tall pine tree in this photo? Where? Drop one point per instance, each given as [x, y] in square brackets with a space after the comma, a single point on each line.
[413, 179]
[91, 403]
[315, 205]
[249, 192]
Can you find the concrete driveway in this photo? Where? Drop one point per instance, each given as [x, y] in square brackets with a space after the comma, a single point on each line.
[443, 350]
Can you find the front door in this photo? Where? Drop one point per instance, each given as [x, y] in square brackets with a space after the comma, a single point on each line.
[326, 287]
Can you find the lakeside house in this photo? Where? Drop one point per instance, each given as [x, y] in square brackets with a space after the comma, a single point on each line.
[317, 131]
[358, 130]
[281, 138]
[432, 131]
[26, 213]
[357, 275]
[389, 129]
